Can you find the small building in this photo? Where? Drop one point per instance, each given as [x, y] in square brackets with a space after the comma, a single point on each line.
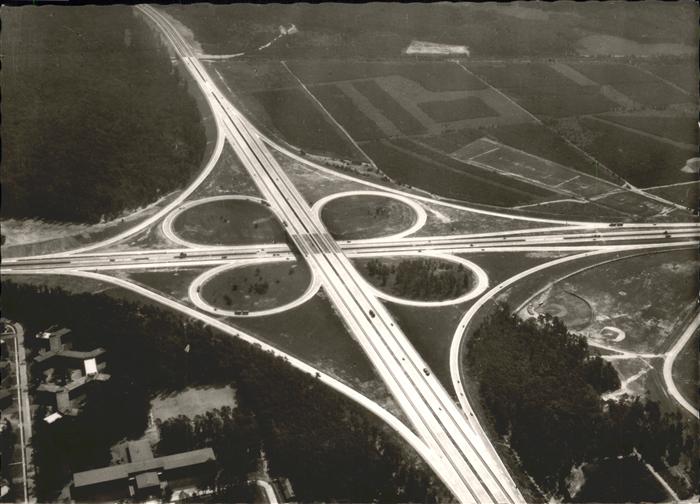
[144, 476]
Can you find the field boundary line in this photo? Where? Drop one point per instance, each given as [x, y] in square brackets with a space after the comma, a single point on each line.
[318, 102]
[456, 62]
[680, 145]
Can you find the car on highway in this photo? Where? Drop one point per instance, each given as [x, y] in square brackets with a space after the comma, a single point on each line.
[426, 371]
[371, 313]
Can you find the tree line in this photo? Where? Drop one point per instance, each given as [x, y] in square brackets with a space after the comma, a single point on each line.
[96, 118]
[329, 447]
[541, 388]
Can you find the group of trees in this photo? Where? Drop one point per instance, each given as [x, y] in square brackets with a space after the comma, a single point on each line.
[424, 279]
[541, 388]
[96, 118]
[329, 447]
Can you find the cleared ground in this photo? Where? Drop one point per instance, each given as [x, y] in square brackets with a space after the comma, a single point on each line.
[192, 402]
[228, 222]
[637, 304]
[257, 287]
[366, 216]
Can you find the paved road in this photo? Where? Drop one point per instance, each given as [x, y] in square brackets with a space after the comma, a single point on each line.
[457, 455]
[671, 358]
[457, 449]
[192, 254]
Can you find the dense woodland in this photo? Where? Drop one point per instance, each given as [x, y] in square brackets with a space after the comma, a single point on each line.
[425, 279]
[95, 117]
[541, 389]
[328, 447]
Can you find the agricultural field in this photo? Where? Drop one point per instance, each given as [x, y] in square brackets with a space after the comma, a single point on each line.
[642, 87]
[532, 138]
[408, 163]
[511, 162]
[434, 76]
[682, 73]
[641, 160]
[366, 216]
[543, 91]
[392, 110]
[681, 129]
[470, 107]
[257, 287]
[229, 222]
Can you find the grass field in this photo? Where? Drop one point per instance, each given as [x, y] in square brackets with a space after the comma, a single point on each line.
[192, 402]
[229, 222]
[455, 110]
[302, 123]
[533, 138]
[173, 283]
[315, 334]
[257, 287]
[366, 216]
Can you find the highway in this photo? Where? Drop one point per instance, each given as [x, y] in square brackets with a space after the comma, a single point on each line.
[192, 254]
[457, 454]
[448, 438]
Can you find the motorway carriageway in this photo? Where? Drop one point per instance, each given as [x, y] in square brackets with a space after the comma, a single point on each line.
[457, 455]
[201, 255]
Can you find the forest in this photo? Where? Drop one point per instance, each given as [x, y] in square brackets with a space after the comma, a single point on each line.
[96, 119]
[424, 279]
[329, 447]
[541, 388]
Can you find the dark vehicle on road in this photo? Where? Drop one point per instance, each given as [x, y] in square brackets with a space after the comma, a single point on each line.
[182, 255]
[371, 313]
[425, 370]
